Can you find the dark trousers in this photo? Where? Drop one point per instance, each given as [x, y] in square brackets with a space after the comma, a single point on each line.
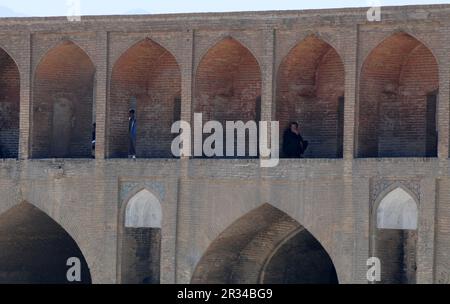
[132, 146]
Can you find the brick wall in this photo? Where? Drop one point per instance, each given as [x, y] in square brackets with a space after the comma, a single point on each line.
[395, 81]
[147, 78]
[301, 260]
[63, 104]
[328, 197]
[228, 84]
[265, 245]
[9, 106]
[141, 254]
[310, 83]
[27, 238]
[396, 250]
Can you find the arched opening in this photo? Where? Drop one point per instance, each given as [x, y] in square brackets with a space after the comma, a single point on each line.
[141, 240]
[396, 237]
[63, 103]
[265, 246]
[9, 106]
[36, 250]
[228, 88]
[398, 99]
[147, 79]
[310, 91]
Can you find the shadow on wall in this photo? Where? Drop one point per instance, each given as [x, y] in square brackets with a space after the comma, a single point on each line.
[63, 101]
[35, 249]
[398, 97]
[266, 246]
[228, 86]
[9, 106]
[146, 78]
[310, 91]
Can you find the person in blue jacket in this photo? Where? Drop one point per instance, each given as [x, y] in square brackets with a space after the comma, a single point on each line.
[132, 131]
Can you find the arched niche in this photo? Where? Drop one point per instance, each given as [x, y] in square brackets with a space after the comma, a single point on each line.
[140, 240]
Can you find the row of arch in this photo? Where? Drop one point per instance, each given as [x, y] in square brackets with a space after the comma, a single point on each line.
[268, 246]
[265, 245]
[398, 91]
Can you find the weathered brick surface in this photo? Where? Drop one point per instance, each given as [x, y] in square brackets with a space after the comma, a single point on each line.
[140, 251]
[37, 237]
[228, 84]
[395, 81]
[200, 53]
[9, 106]
[147, 79]
[310, 82]
[62, 104]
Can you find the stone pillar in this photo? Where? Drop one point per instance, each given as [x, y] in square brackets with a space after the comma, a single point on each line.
[187, 77]
[267, 71]
[351, 92]
[443, 109]
[349, 211]
[268, 106]
[426, 231]
[101, 89]
[26, 117]
[184, 201]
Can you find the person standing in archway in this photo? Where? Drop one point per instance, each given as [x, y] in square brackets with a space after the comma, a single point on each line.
[132, 132]
[293, 144]
[94, 128]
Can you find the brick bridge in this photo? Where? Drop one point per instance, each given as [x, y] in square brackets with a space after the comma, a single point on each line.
[372, 98]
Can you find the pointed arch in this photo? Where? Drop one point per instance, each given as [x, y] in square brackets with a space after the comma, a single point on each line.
[397, 100]
[147, 78]
[394, 234]
[305, 37]
[228, 84]
[63, 103]
[219, 40]
[310, 91]
[9, 106]
[139, 239]
[397, 210]
[51, 48]
[265, 246]
[398, 32]
[151, 41]
[143, 211]
[25, 258]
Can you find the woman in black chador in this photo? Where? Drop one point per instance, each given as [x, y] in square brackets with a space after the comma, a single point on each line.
[293, 144]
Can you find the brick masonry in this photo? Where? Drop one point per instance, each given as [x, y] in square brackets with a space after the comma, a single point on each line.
[330, 197]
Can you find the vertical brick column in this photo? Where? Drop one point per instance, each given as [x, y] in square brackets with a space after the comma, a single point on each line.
[443, 109]
[187, 77]
[268, 112]
[426, 233]
[267, 75]
[351, 91]
[184, 201]
[101, 91]
[103, 194]
[358, 253]
[25, 98]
